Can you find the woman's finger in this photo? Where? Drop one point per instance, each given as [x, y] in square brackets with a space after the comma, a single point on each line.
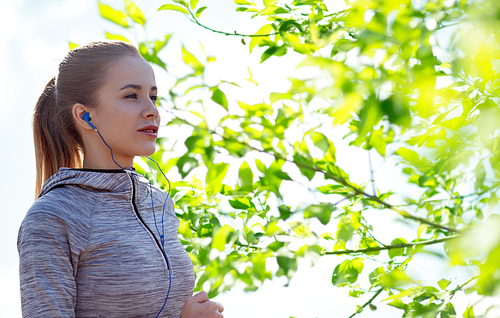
[200, 297]
[220, 307]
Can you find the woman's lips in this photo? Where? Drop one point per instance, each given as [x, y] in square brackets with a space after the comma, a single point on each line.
[149, 130]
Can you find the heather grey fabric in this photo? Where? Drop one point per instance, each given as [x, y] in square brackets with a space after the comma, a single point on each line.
[84, 253]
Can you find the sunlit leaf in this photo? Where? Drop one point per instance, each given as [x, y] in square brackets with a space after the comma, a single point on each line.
[220, 239]
[347, 272]
[397, 251]
[116, 37]
[321, 211]
[134, 12]
[115, 16]
[244, 2]
[245, 175]
[193, 3]
[200, 11]
[173, 7]
[219, 97]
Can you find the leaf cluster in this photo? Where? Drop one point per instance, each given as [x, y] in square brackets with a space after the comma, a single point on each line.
[414, 84]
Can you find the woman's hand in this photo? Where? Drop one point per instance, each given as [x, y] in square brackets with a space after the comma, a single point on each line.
[199, 306]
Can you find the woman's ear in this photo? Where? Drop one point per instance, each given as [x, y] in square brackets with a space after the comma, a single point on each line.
[78, 111]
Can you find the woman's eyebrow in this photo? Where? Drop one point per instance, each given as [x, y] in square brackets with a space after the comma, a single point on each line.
[137, 87]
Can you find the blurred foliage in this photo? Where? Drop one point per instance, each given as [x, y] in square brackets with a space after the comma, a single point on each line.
[415, 83]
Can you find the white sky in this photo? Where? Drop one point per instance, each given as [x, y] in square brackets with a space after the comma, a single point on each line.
[34, 39]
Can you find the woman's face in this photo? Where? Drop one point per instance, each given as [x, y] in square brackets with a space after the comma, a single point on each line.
[126, 116]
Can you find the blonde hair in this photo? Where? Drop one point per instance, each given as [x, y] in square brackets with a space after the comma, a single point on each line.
[81, 74]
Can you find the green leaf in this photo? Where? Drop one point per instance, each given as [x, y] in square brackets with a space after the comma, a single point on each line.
[269, 2]
[134, 12]
[192, 61]
[174, 8]
[469, 313]
[240, 204]
[376, 274]
[409, 155]
[260, 165]
[250, 78]
[266, 29]
[200, 11]
[194, 3]
[443, 283]
[221, 235]
[274, 246]
[116, 37]
[246, 9]
[219, 97]
[300, 229]
[272, 10]
[322, 211]
[347, 272]
[244, 2]
[288, 25]
[285, 211]
[369, 242]
[160, 44]
[150, 56]
[215, 175]
[113, 15]
[395, 278]
[274, 50]
[288, 265]
[245, 175]
[186, 164]
[397, 251]
[304, 163]
[334, 189]
[448, 311]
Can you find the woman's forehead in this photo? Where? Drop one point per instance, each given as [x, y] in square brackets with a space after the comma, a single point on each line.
[130, 70]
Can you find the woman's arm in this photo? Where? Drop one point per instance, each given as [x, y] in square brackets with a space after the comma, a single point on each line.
[48, 287]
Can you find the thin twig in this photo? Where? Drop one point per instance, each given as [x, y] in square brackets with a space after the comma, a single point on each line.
[391, 247]
[460, 287]
[374, 188]
[368, 302]
[195, 20]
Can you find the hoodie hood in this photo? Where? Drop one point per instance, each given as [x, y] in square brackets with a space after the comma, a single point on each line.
[111, 181]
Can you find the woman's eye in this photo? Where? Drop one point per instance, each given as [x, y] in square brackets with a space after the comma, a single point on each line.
[154, 98]
[133, 96]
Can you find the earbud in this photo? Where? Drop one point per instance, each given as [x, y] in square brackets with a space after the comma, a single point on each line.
[87, 118]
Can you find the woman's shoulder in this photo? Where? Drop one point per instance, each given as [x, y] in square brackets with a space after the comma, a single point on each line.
[62, 206]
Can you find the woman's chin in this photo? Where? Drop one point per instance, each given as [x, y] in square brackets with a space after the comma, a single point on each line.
[147, 152]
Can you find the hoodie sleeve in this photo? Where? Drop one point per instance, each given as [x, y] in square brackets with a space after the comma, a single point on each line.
[47, 280]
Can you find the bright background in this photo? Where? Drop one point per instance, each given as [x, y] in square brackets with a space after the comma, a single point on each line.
[34, 38]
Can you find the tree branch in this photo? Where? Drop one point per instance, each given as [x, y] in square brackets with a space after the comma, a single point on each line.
[368, 302]
[195, 20]
[391, 247]
[337, 179]
[343, 182]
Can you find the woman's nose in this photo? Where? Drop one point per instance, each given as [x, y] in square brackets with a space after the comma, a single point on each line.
[151, 110]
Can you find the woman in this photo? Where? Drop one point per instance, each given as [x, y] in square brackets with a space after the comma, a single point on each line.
[92, 244]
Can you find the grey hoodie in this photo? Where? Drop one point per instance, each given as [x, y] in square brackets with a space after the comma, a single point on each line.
[89, 247]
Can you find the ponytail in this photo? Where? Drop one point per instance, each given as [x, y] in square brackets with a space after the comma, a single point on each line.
[81, 74]
[53, 148]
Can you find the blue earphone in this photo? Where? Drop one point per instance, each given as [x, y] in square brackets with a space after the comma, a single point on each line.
[87, 118]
